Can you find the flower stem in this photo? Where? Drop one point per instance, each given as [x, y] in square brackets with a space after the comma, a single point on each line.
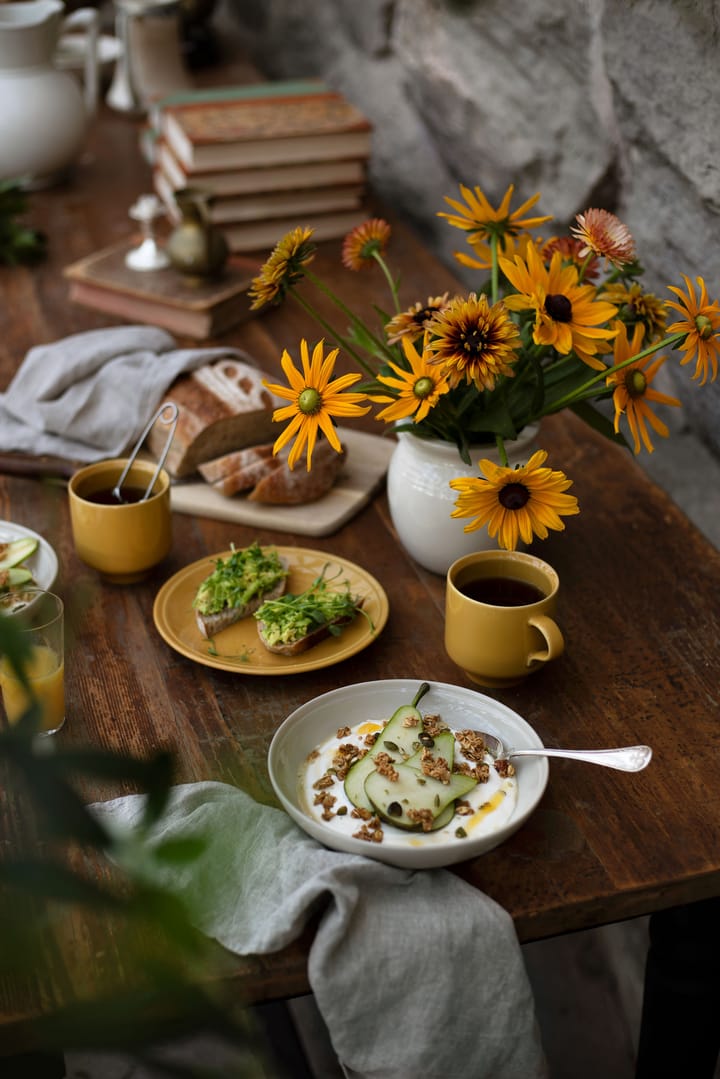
[581, 391]
[502, 452]
[389, 278]
[337, 337]
[382, 346]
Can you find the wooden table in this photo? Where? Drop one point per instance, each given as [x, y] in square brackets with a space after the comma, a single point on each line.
[639, 608]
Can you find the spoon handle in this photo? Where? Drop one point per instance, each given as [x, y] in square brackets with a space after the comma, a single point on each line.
[627, 759]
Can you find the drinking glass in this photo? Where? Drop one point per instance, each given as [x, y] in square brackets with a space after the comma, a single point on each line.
[39, 617]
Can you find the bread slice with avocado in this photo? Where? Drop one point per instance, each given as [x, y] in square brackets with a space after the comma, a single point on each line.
[238, 586]
[292, 624]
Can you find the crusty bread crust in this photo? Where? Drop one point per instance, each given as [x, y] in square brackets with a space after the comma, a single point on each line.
[212, 624]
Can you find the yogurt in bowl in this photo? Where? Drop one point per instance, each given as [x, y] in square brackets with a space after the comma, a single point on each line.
[306, 743]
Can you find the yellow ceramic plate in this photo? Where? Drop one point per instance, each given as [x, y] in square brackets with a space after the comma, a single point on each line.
[238, 648]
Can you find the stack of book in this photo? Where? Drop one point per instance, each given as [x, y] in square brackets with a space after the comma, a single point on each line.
[273, 155]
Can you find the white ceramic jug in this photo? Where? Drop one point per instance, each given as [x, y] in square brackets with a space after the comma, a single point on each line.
[44, 113]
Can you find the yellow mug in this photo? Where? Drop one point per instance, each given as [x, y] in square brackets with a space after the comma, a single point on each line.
[499, 608]
[122, 541]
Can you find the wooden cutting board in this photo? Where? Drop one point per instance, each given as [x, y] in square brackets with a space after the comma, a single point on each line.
[364, 471]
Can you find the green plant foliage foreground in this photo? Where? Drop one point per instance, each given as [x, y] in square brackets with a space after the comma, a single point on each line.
[19, 243]
[62, 858]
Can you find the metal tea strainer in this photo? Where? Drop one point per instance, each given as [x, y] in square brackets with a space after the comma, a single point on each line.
[167, 413]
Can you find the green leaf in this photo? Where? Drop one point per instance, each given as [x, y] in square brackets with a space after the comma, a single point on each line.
[179, 851]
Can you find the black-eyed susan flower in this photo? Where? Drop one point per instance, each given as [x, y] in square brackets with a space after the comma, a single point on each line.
[314, 400]
[415, 391]
[701, 323]
[634, 304]
[474, 341]
[568, 317]
[283, 268]
[515, 503]
[363, 243]
[415, 320]
[633, 388]
[602, 233]
[482, 222]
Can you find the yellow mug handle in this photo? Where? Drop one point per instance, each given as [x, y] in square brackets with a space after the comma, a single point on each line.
[553, 639]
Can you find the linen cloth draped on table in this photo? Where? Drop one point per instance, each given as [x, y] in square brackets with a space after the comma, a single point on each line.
[417, 974]
[90, 395]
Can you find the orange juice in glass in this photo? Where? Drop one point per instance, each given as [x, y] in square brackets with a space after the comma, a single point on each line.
[38, 616]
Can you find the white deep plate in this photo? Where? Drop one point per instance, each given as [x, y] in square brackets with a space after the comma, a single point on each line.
[313, 723]
[43, 564]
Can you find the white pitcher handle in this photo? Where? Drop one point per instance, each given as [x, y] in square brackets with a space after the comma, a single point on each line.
[88, 18]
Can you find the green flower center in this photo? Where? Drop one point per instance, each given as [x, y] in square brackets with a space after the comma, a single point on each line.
[514, 496]
[703, 325]
[309, 401]
[558, 307]
[635, 382]
[423, 387]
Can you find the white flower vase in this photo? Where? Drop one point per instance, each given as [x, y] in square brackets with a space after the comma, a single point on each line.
[421, 499]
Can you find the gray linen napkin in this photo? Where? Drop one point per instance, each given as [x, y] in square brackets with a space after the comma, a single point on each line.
[90, 395]
[417, 974]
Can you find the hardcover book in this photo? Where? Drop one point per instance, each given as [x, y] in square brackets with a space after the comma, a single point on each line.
[162, 297]
[229, 209]
[261, 236]
[261, 132]
[241, 181]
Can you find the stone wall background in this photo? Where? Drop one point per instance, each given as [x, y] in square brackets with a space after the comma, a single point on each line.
[611, 103]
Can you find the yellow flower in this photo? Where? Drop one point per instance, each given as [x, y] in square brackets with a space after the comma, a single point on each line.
[633, 388]
[478, 218]
[515, 503]
[416, 391]
[473, 340]
[314, 401]
[413, 322]
[635, 305]
[363, 242]
[604, 234]
[701, 323]
[566, 312]
[283, 268]
[508, 245]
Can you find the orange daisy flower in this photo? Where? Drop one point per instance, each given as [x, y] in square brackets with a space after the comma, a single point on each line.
[283, 268]
[515, 503]
[474, 341]
[478, 217]
[415, 391]
[701, 323]
[568, 317]
[363, 242]
[413, 322]
[633, 388]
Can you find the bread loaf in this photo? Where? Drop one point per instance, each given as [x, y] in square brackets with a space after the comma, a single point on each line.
[286, 488]
[222, 406]
[240, 471]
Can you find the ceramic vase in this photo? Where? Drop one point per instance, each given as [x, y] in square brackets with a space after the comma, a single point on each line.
[421, 500]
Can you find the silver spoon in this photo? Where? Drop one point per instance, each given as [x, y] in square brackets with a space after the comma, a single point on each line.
[626, 758]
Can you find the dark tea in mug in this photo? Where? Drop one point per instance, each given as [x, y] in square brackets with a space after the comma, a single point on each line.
[501, 591]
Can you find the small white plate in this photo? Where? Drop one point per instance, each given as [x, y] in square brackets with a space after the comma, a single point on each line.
[43, 564]
[313, 723]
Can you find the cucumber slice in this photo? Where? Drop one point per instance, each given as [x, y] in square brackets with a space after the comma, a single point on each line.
[397, 738]
[412, 790]
[11, 554]
[15, 578]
